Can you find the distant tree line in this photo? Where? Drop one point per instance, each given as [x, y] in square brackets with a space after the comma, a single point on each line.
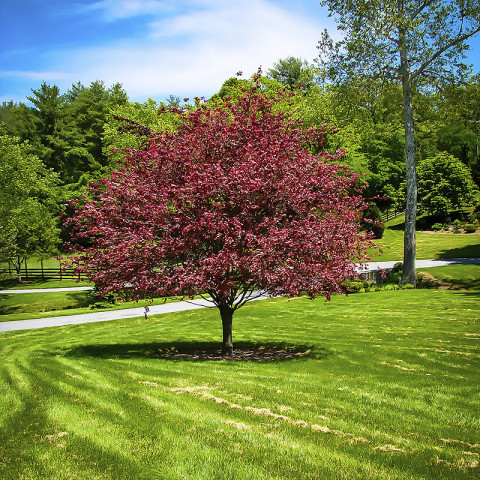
[58, 143]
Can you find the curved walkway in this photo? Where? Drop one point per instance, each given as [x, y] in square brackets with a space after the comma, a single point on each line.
[112, 314]
[422, 263]
[173, 306]
[101, 316]
[47, 290]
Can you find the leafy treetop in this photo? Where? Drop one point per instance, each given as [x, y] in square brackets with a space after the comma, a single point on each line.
[229, 203]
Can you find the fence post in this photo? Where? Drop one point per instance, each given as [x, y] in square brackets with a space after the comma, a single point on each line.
[60, 263]
[26, 270]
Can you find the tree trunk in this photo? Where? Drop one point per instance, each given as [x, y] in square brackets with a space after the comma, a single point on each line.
[18, 268]
[409, 242]
[226, 312]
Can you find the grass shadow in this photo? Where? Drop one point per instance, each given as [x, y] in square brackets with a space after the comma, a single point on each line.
[82, 299]
[397, 226]
[7, 309]
[200, 351]
[468, 293]
[468, 251]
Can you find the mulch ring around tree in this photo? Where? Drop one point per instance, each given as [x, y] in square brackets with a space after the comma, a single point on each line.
[239, 354]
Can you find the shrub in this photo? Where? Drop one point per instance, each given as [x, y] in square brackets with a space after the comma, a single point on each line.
[393, 277]
[398, 267]
[458, 223]
[474, 216]
[395, 274]
[469, 228]
[372, 221]
[437, 226]
[391, 287]
[355, 286]
[105, 301]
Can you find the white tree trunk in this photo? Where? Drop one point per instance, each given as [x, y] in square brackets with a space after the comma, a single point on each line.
[409, 242]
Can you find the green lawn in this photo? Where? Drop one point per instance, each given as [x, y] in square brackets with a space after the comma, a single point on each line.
[39, 283]
[13, 306]
[463, 276]
[26, 306]
[388, 391]
[429, 245]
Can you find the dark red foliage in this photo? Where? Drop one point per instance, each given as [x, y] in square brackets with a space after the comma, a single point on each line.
[229, 203]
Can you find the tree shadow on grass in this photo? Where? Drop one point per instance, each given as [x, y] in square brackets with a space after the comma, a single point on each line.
[200, 351]
[398, 226]
[82, 299]
[7, 309]
[468, 251]
[469, 293]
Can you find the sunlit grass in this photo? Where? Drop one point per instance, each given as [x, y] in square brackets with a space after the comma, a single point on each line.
[430, 245]
[461, 276]
[12, 284]
[389, 391]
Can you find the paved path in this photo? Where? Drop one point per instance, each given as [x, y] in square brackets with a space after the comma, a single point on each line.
[110, 315]
[422, 263]
[101, 316]
[47, 290]
[173, 306]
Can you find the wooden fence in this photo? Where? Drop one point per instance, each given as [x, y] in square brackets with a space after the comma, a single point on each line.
[391, 214]
[29, 273]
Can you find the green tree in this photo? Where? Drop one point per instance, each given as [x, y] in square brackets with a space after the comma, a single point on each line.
[117, 138]
[459, 108]
[19, 120]
[444, 184]
[292, 73]
[28, 202]
[408, 42]
[82, 128]
[47, 106]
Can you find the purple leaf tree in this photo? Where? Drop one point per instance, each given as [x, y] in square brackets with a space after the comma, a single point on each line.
[231, 205]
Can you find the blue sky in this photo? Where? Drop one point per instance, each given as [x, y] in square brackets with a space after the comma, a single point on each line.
[154, 47]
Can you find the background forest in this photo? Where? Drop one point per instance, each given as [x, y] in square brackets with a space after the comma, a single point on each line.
[54, 146]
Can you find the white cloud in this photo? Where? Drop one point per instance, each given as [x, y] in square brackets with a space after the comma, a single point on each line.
[188, 48]
[120, 9]
[194, 52]
[47, 76]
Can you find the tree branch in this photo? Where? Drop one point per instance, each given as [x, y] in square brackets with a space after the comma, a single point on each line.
[437, 54]
[420, 8]
[249, 294]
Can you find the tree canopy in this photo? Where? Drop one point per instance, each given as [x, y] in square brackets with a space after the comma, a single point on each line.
[229, 204]
[414, 43]
[444, 184]
[28, 196]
